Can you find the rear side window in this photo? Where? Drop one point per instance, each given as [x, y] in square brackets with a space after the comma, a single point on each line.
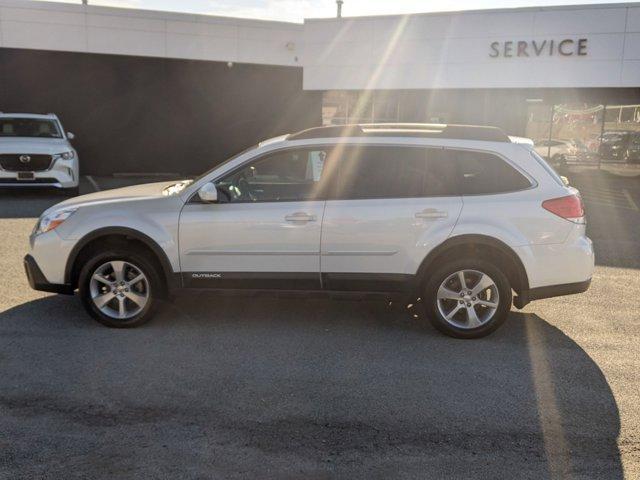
[392, 172]
[484, 173]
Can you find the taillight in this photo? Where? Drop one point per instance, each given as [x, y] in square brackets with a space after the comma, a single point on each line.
[569, 208]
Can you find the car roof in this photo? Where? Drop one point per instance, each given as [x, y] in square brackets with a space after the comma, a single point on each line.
[44, 116]
[407, 130]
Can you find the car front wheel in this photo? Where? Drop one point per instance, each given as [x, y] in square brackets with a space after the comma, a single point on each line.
[467, 298]
[120, 289]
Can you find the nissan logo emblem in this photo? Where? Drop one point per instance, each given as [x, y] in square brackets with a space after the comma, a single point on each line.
[25, 158]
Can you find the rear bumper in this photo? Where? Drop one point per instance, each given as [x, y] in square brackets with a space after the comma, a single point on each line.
[38, 281]
[550, 291]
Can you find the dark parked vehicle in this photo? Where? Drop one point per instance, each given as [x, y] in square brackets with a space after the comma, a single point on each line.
[633, 151]
[615, 145]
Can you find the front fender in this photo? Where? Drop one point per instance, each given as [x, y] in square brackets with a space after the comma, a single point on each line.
[155, 224]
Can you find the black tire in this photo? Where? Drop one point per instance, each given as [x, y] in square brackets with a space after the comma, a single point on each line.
[443, 272]
[142, 262]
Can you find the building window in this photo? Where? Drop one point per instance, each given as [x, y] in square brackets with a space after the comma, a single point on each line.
[341, 107]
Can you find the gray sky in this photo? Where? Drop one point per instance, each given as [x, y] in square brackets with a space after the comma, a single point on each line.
[297, 10]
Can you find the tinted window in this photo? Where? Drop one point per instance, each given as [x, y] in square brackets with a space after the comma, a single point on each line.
[392, 172]
[283, 176]
[484, 173]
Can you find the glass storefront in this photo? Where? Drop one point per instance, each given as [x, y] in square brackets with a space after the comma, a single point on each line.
[575, 137]
[343, 107]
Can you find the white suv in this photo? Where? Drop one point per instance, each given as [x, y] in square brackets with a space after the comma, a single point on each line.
[458, 216]
[35, 152]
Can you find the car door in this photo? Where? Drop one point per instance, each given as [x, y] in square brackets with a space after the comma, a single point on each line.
[264, 231]
[391, 205]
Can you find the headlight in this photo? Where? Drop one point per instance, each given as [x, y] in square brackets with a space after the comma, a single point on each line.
[52, 220]
[65, 155]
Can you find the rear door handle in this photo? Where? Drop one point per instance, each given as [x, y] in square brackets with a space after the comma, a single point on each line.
[300, 217]
[432, 213]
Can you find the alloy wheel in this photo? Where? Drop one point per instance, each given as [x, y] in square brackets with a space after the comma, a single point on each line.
[468, 299]
[119, 289]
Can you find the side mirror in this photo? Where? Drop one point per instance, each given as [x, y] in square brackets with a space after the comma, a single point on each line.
[208, 193]
[70, 136]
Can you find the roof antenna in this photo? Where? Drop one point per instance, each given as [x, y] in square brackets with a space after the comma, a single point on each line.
[339, 4]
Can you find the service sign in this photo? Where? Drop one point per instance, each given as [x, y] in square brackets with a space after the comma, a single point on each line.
[567, 47]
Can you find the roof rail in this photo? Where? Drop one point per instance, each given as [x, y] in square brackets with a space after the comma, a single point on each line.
[420, 130]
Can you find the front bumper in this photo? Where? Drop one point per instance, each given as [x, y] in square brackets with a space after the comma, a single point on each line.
[62, 174]
[550, 291]
[38, 281]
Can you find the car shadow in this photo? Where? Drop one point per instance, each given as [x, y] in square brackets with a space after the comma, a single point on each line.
[343, 389]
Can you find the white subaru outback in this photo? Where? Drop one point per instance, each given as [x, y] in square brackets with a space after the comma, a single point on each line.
[456, 215]
[35, 152]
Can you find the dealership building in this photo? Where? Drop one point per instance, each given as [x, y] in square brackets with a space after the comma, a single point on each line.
[148, 91]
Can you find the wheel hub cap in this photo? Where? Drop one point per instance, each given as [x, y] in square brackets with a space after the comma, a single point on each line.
[468, 299]
[119, 289]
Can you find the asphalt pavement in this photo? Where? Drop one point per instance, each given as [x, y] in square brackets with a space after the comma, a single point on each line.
[252, 387]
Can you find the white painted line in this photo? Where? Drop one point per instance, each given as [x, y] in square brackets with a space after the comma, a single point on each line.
[93, 183]
[633, 204]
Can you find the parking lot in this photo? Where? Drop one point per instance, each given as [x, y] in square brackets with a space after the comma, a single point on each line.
[253, 387]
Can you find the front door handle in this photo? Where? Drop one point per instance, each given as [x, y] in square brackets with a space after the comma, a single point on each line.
[432, 213]
[300, 217]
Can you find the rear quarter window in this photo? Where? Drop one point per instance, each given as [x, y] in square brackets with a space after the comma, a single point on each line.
[481, 173]
[549, 169]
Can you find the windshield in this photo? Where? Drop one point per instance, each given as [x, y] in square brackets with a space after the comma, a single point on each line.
[224, 163]
[29, 127]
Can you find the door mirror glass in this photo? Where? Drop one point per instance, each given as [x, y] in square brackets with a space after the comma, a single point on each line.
[70, 136]
[208, 193]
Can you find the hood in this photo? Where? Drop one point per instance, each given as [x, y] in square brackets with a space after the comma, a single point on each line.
[49, 146]
[135, 192]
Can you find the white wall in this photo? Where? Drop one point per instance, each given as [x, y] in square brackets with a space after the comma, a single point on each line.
[441, 50]
[78, 28]
[451, 50]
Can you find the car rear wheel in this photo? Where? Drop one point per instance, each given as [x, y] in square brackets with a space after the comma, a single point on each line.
[120, 289]
[467, 298]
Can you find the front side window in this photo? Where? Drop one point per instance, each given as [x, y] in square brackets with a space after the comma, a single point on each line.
[29, 127]
[289, 175]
